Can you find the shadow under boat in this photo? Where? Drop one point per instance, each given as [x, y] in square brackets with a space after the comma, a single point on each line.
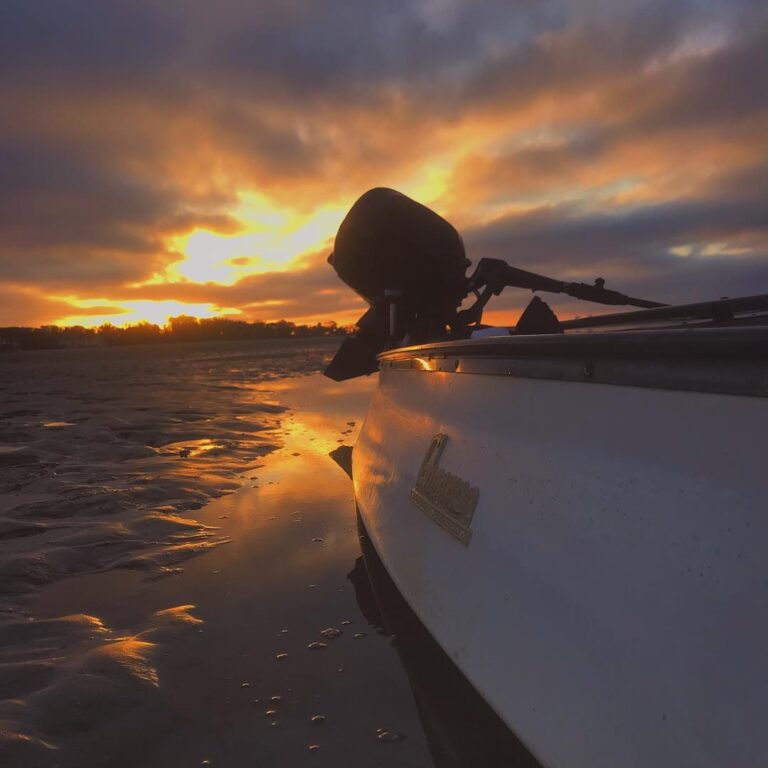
[461, 728]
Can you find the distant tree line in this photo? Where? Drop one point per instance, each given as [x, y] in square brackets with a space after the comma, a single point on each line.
[181, 328]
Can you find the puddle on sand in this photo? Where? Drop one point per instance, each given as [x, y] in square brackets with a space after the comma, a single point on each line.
[264, 598]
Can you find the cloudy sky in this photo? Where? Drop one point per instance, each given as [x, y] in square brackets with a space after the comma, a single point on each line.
[189, 156]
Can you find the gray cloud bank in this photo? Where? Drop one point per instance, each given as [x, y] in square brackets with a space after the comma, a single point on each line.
[626, 139]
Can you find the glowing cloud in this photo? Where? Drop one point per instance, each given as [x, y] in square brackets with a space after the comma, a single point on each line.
[624, 139]
[272, 238]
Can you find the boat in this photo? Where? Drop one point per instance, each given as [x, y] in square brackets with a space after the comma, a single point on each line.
[575, 510]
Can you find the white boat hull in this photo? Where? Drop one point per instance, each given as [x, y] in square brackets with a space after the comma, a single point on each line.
[611, 603]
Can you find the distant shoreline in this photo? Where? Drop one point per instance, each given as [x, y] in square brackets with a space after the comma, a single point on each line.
[173, 347]
[177, 330]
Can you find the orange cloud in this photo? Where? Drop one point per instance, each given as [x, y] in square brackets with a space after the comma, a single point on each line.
[147, 171]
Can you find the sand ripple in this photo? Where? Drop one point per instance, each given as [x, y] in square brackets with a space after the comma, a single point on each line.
[77, 676]
[104, 456]
[102, 450]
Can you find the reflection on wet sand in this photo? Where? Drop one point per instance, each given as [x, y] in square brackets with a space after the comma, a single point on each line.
[274, 589]
[101, 451]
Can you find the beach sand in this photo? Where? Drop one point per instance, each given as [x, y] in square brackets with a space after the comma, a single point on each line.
[171, 524]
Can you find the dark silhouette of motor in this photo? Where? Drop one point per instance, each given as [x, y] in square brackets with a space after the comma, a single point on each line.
[409, 265]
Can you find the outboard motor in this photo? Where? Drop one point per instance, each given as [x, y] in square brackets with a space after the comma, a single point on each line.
[409, 264]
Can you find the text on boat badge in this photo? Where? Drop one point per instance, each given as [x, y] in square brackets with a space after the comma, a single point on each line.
[443, 496]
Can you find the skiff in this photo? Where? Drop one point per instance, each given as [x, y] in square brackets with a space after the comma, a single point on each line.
[576, 514]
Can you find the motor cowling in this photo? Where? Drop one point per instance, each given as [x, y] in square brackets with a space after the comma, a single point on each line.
[391, 249]
[391, 246]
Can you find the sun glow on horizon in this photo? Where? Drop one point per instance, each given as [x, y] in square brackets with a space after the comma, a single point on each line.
[271, 238]
[141, 310]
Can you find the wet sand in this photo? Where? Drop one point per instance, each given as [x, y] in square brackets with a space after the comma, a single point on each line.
[170, 529]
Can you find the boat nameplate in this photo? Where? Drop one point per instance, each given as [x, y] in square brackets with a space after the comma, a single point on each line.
[443, 496]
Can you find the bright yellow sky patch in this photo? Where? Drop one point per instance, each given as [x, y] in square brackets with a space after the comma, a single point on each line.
[137, 311]
[271, 239]
[430, 184]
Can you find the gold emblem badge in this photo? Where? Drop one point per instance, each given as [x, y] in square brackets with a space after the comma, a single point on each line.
[444, 497]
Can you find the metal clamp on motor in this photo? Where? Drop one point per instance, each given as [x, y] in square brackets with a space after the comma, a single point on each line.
[392, 295]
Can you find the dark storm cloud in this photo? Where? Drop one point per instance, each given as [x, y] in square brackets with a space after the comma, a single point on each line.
[48, 194]
[708, 104]
[563, 235]
[99, 40]
[61, 214]
[355, 48]
[729, 85]
[678, 251]
[125, 123]
[299, 46]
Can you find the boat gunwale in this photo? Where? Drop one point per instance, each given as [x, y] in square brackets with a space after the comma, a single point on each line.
[731, 361]
[746, 342]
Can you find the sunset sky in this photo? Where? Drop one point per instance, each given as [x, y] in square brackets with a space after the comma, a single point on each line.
[159, 158]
